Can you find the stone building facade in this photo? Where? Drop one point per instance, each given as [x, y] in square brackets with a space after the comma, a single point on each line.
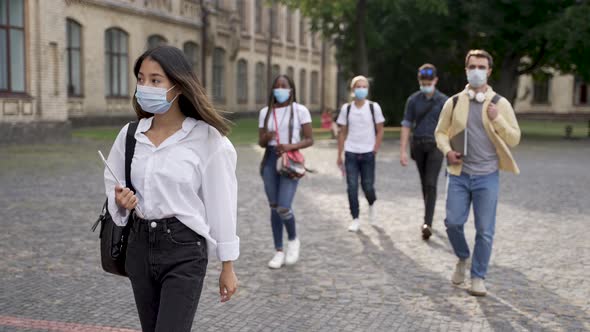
[64, 61]
[548, 94]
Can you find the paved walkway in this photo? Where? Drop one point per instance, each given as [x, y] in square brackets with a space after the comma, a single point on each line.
[381, 279]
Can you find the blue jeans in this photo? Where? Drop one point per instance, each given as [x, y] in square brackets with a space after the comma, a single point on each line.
[363, 165]
[280, 191]
[482, 190]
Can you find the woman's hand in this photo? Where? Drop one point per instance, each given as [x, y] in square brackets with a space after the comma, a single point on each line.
[339, 161]
[125, 198]
[228, 282]
[269, 135]
[286, 148]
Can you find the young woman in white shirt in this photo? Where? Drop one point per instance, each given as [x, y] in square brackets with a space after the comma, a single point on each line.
[183, 171]
[280, 190]
[360, 138]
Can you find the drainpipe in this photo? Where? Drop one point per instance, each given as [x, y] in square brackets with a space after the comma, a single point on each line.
[204, 20]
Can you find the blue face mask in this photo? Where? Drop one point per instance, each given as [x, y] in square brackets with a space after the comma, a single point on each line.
[152, 99]
[427, 89]
[361, 93]
[281, 95]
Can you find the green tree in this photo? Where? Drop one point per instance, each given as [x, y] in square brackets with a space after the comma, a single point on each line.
[524, 36]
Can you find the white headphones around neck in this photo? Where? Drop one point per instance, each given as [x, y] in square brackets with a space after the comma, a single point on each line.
[480, 97]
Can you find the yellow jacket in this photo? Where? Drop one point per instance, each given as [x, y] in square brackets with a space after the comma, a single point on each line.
[502, 131]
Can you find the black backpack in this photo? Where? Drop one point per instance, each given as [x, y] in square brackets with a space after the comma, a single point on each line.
[113, 238]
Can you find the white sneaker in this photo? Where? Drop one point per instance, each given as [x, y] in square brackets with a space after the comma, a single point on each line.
[277, 261]
[354, 225]
[459, 274]
[292, 252]
[372, 215]
[478, 287]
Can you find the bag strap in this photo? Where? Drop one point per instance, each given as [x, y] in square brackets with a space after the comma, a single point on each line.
[291, 124]
[372, 115]
[423, 115]
[274, 114]
[455, 99]
[495, 99]
[129, 151]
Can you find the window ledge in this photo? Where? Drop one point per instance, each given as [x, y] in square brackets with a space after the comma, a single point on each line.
[118, 97]
[15, 95]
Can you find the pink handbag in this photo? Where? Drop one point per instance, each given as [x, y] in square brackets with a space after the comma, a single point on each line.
[290, 163]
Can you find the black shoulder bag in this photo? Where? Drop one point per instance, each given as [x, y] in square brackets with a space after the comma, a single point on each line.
[113, 238]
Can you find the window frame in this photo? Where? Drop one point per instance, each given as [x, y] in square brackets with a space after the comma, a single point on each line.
[160, 39]
[579, 83]
[218, 87]
[69, 49]
[116, 55]
[260, 82]
[8, 91]
[302, 86]
[242, 82]
[315, 87]
[195, 65]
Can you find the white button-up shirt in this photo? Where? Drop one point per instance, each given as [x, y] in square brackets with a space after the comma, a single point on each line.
[190, 176]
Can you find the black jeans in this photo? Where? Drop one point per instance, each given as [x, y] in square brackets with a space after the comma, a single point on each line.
[429, 160]
[166, 263]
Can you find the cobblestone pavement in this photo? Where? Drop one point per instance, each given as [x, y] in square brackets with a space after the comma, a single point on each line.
[380, 279]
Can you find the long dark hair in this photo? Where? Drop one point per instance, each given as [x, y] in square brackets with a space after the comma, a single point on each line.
[193, 101]
[272, 100]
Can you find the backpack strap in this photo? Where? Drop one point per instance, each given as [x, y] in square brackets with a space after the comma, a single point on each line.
[348, 112]
[129, 151]
[372, 114]
[455, 99]
[496, 98]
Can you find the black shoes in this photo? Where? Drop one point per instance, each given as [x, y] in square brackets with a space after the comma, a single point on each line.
[426, 232]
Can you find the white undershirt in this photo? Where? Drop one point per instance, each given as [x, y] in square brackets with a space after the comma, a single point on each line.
[190, 176]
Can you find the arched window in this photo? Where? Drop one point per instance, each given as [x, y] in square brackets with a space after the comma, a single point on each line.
[219, 74]
[154, 41]
[302, 31]
[116, 63]
[302, 88]
[275, 71]
[260, 83]
[315, 87]
[258, 13]
[242, 81]
[289, 25]
[191, 52]
[74, 57]
[291, 73]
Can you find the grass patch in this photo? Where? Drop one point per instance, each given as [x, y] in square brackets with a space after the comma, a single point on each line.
[97, 133]
[551, 129]
[245, 131]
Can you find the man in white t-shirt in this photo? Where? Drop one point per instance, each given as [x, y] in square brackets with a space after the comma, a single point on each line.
[360, 138]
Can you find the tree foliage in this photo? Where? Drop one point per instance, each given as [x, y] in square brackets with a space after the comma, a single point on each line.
[524, 37]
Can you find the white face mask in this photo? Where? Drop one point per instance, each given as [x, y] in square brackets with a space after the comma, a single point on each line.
[477, 77]
[152, 99]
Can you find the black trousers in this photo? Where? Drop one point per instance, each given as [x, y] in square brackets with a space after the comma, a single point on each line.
[166, 263]
[429, 161]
